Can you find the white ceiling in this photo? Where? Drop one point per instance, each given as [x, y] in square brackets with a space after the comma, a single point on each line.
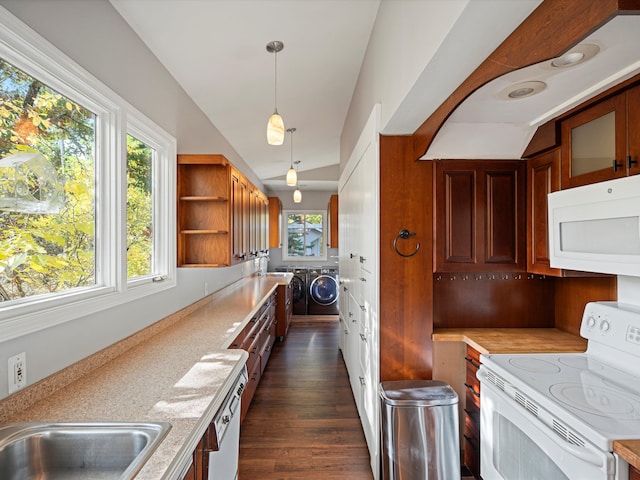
[216, 49]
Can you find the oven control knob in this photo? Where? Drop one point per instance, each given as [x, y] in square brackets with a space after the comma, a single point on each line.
[591, 322]
[605, 326]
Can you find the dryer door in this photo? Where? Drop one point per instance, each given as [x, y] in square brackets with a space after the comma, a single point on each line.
[324, 290]
[298, 287]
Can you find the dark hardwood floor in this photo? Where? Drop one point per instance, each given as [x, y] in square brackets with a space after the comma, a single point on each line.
[303, 422]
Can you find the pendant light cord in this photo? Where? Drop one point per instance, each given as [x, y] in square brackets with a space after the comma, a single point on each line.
[275, 83]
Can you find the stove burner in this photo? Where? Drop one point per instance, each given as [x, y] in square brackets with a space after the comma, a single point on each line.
[580, 362]
[534, 365]
[594, 400]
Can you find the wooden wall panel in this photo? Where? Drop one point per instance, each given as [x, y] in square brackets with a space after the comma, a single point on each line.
[492, 300]
[575, 292]
[406, 201]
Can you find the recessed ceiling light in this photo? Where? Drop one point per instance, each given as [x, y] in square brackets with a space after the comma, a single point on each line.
[575, 56]
[523, 89]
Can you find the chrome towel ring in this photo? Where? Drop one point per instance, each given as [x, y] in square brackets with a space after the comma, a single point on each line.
[404, 234]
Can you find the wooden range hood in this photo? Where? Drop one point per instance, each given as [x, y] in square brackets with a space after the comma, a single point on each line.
[552, 29]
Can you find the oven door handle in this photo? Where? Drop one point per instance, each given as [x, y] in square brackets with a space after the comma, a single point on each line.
[580, 452]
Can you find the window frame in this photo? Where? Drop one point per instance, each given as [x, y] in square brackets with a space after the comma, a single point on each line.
[163, 197]
[28, 51]
[285, 236]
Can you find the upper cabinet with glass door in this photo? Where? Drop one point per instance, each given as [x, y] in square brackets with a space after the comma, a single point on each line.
[603, 141]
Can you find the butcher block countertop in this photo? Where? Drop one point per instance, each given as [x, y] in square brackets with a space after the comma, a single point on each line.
[530, 340]
[513, 340]
[180, 374]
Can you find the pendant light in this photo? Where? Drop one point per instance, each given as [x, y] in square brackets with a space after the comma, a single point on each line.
[275, 125]
[297, 195]
[292, 175]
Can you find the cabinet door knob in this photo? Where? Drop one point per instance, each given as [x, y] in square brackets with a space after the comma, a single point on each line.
[631, 162]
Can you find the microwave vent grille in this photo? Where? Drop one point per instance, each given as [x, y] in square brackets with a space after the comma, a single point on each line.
[567, 434]
[526, 403]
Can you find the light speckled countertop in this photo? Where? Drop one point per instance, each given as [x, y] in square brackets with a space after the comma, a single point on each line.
[180, 375]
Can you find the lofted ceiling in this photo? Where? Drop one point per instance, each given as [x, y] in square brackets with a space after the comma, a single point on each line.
[216, 50]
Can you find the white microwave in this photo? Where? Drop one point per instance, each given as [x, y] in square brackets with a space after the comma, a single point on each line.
[596, 228]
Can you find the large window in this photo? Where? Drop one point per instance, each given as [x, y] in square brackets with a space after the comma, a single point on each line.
[305, 235]
[87, 202]
[47, 188]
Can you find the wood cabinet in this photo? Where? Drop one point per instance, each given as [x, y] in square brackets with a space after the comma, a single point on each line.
[602, 142]
[284, 310]
[257, 339]
[634, 473]
[222, 218]
[543, 177]
[197, 469]
[471, 435]
[275, 222]
[333, 221]
[479, 215]
[203, 211]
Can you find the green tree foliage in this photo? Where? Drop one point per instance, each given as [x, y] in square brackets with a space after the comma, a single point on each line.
[139, 208]
[44, 253]
[299, 226]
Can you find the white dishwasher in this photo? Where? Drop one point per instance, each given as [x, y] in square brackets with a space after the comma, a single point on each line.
[223, 456]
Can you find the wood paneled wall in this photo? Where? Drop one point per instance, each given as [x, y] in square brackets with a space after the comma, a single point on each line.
[572, 295]
[406, 294]
[493, 300]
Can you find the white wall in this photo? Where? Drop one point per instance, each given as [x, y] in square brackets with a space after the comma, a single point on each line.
[629, 290]
[93, 34]
[416, 58]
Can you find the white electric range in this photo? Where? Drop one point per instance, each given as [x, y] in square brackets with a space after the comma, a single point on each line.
[556, 416]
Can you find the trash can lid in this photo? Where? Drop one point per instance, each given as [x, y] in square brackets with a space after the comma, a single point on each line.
[417, 393]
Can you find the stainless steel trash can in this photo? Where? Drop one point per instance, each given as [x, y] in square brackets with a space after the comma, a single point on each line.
[419, 430]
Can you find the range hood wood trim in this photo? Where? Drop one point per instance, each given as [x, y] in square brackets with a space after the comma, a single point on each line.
[553, 28]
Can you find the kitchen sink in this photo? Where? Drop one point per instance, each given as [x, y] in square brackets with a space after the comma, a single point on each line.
[64, 451]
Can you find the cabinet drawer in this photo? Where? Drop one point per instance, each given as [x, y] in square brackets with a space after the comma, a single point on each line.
[471, 457]
[250, 390]
[472, 370]
[472, 410]
[472, 398]
[242, 339]
[472, 429]
[254, 354]
[473, 355]
[266, 353]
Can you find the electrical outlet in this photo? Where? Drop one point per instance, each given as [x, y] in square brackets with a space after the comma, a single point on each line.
[206, 288]
[17, 372]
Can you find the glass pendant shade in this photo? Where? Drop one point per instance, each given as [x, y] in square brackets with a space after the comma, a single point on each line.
[292, 177]
[275, 129]
[297, 196]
